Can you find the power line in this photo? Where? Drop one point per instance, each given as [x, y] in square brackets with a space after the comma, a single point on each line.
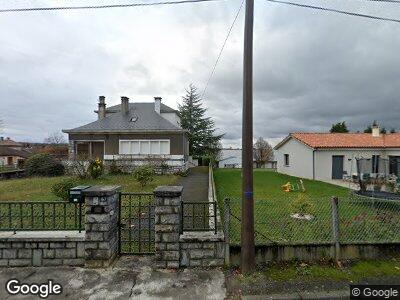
[101, 6]
[389, 1]
[222, 48]
[336, 11]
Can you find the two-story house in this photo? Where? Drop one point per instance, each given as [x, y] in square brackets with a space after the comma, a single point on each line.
[134, 131]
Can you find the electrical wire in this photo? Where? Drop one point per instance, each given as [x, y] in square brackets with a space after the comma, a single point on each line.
[222, 49]
[7, 10]
[336, 11]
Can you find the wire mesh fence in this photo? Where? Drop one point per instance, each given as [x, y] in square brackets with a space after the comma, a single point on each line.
[297, 220]
[365, 219]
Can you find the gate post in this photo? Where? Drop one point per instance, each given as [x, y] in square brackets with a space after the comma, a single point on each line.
[167, 225]
[101, 225]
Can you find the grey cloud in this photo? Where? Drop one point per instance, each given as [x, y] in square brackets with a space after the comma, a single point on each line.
[311, 69]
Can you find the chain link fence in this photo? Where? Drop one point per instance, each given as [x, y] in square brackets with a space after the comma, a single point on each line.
[299, 219]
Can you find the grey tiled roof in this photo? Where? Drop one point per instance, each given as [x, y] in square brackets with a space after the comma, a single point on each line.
[147, 120]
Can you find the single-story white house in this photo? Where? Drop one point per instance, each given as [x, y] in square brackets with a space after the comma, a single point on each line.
[232, 158]
[326, 156]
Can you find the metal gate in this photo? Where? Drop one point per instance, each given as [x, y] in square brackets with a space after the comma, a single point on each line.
[136, 223]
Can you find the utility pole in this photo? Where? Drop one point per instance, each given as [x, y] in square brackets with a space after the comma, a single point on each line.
[247, 232]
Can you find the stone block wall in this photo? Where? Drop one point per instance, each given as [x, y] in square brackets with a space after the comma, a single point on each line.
[189, 249]
[101, 225]
[42, 248]
[202, 249]
[167, 225]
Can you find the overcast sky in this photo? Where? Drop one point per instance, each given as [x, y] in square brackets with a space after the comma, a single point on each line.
[311, 68]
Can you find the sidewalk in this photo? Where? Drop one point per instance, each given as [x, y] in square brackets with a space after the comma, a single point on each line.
[132, 277]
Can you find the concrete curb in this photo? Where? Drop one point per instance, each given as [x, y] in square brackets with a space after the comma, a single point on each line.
[335, 295]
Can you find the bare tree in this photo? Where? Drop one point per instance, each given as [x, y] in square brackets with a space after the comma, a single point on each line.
[263, 152]
[55, 138]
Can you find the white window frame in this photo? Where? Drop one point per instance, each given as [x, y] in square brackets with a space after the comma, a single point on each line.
[146, 141]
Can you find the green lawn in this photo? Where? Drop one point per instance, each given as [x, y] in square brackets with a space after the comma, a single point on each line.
[360, 220]
[298, 276]
[61, 215]
[39, 188]
[352, 272]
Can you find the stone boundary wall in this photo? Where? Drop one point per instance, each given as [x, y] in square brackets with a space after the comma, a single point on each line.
[188, 249]
[315, 252]
[167, 201]
[101, 225]
[42, 248]
[202, 249]
[97, 246]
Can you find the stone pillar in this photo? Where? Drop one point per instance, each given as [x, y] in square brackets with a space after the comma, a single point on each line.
[167, 225]
[101, 225]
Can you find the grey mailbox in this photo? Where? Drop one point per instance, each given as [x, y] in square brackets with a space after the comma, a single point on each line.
[76, 194]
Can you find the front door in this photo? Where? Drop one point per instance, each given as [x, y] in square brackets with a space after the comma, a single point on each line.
[337, 167]
[98, 150]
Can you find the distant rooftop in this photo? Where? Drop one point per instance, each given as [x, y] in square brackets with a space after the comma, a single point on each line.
[7, 142]
[345, 140]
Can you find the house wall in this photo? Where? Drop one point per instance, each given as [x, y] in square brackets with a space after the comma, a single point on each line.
[230, 157]
[300, 159]
[178, 141]
[4, 160]
[323, 160]
[173, 118]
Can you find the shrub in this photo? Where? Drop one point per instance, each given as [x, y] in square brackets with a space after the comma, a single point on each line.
[78, 168]
[204, 160]
[303, 205]
[43, 165]
[164, 167]
[61, 188]
[114, 169]
[182, 173]
[95, 168]
[144, 175]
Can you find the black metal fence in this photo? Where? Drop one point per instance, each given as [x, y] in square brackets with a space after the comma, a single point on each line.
[199, 216]
[136, 223]
[41, 215]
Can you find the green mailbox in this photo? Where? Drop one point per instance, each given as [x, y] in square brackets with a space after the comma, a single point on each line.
[76, 194]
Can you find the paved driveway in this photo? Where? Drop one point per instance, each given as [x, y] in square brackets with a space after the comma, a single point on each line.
[195, 185]
[132, 277]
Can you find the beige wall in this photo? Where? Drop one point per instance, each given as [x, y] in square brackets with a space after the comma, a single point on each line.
[4, 160]
[300, 159]
[178, 141]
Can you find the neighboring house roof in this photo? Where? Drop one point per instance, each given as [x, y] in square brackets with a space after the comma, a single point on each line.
[9, 143]
[7, 151]
[344, 140]
[146, 120]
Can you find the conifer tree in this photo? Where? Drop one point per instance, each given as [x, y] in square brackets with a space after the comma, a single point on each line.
[203, 141]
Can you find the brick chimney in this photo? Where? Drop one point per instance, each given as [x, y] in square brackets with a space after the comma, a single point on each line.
[124, 105]
[376, 131]
[157, 104]
[102, 108]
